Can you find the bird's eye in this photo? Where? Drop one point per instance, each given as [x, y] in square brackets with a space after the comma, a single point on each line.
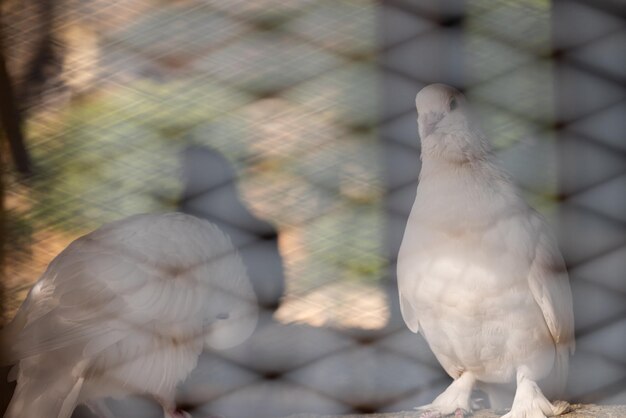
[222, 315]
[453, 104]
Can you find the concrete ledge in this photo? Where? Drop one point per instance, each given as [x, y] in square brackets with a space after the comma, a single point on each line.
[577, 411]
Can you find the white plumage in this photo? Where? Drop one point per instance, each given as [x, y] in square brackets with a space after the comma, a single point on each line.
[479, 273]
[127, 309]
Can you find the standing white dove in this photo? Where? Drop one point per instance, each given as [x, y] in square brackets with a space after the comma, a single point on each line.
[479, 273]
[124, 310]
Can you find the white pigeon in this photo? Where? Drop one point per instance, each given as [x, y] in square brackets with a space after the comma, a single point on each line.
[124, 310]
[479, 273]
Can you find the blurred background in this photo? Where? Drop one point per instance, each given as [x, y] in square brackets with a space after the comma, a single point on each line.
[291, 124]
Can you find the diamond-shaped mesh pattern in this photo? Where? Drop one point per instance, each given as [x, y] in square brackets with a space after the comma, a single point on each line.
[304, 110]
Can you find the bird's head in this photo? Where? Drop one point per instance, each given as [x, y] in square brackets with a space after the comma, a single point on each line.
[439, 108]
[445, 123]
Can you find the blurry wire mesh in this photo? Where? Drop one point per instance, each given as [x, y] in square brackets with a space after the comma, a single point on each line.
[291, 125]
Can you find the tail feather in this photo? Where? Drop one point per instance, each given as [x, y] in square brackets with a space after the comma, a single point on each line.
[557, 381]
[69, 403]
[38, 396]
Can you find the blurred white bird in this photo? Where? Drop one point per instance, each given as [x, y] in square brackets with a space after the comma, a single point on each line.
[127, 309]
[479, 273]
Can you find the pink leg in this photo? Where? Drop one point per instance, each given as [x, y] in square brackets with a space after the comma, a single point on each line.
[170, 410]
[460, 413]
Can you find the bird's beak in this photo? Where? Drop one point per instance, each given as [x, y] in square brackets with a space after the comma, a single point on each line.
[429, 123]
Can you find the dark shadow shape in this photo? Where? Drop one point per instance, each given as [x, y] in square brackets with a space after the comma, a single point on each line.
[210, 193]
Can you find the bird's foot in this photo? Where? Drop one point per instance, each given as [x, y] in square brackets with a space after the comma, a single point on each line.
[454, 401]
[461, 413]
[538, 410]
[530, 402]
[170, 410]
[430, 413]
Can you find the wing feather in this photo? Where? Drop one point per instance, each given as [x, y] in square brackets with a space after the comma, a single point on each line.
[549, 284]
[76, 301]
[116, 280]
[409, 314]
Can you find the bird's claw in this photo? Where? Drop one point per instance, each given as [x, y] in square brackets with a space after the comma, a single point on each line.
[461, 413]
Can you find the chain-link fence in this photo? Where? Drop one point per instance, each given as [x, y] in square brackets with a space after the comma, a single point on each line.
[291, 125]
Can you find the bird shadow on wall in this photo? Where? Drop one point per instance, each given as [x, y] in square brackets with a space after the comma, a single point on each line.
[210, 193]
